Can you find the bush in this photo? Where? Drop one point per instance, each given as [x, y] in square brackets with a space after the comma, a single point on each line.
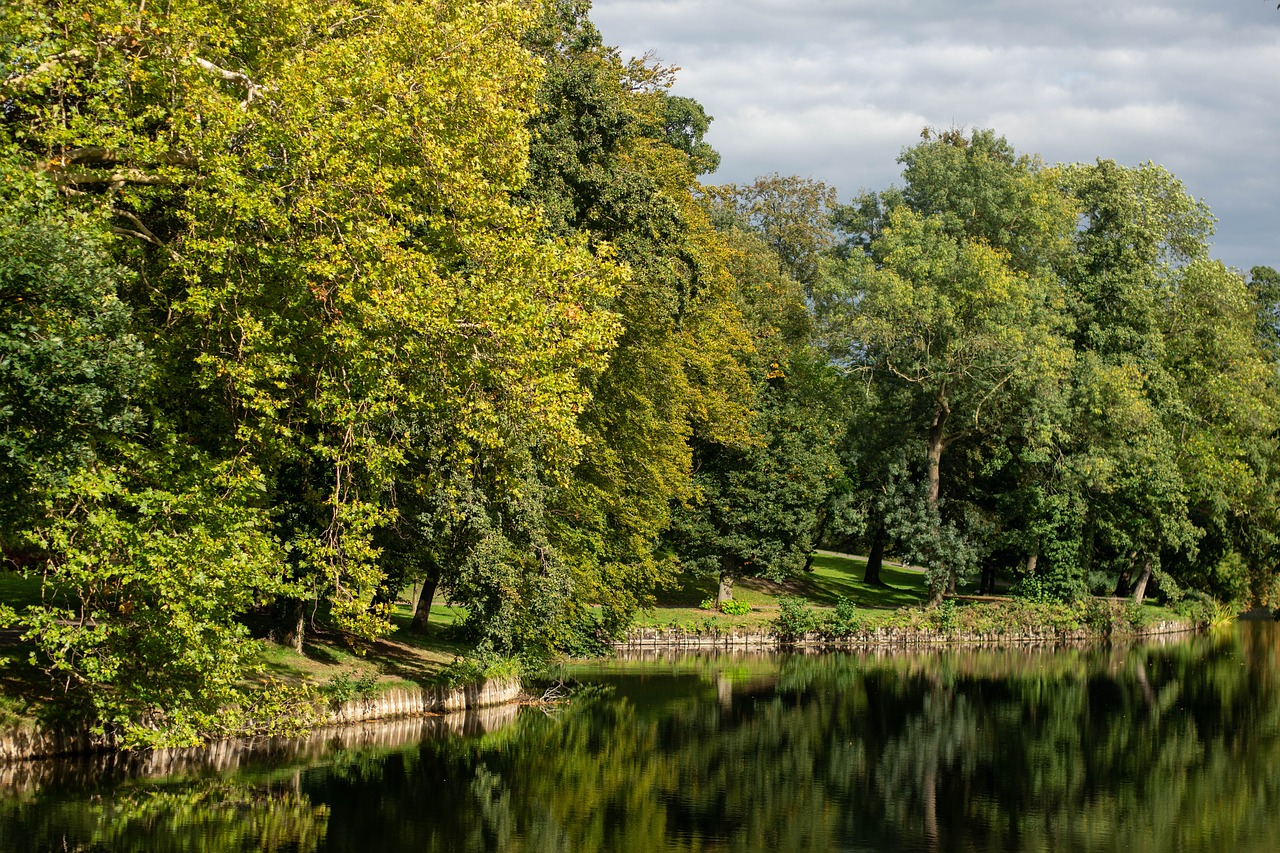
[844, 621]
[945, 616]
[795, 619]
[464, 671]
[344, 687]
[734, 607]
[707, 604]
[1048, 588]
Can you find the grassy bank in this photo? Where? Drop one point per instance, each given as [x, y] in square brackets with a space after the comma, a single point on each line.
[832, 597]
[836, 580]
[331, 669]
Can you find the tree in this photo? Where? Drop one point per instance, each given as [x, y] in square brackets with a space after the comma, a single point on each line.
[759, 500]
[950, 320]
[1139, 232]
[343, 299]
[608, 162]
[955, 297]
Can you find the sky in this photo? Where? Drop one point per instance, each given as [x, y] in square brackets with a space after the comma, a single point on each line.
[835, 89]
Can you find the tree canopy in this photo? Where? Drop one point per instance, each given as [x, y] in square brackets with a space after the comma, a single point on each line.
[305, 306]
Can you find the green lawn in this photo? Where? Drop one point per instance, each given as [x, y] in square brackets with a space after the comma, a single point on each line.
[834, 576]
[19, 591]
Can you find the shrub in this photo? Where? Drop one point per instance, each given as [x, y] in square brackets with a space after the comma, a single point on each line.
[473, 670]
[795, 619]
[707, 604]
[1048, 588]
[945, 616]
[344, 687]
[844, 621]
[734, 607]
[1137, 615]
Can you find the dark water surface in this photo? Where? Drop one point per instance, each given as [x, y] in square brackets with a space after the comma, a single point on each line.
[1145, 748]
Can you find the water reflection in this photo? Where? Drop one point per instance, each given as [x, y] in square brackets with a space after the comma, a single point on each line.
[1145, 748]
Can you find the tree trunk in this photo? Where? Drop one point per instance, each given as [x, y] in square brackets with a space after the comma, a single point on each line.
[933, 453]
[422, 609]
[1122, 581]
[1140, 588]
[933, 457]
[294, 633]
[987, 586]
[728, 568]
[1031, 563]
[935, 595]
[875, 560]
[725, 593]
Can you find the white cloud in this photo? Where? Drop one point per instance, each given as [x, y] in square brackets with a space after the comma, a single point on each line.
[834, 89]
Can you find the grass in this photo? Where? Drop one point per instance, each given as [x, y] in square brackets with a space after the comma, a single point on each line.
[400, 659]
[833, 576]
[19, 591]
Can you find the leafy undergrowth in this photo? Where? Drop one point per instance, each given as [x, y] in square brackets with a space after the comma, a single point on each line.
[1099, 617]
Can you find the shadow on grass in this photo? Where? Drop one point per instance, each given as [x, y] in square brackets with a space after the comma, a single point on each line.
[19, 591]
[836, 577]
[690, 591]
[833, 577]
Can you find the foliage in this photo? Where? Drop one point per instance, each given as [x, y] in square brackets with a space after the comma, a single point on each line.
[346, 686]
[760, 499]
[1045, 588]
[614, 158]
[154, 578]
[843, 621]
[794, 619]
[305, 304]
[464, 671]
[735, 607]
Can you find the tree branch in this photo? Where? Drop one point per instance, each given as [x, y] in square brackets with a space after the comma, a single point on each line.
[252, 89]
[142, 233]
[48, 65]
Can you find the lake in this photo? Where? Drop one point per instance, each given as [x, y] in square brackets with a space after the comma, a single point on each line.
[1169, 746]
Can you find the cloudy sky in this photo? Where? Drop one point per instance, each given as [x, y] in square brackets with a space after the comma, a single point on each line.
[834, 89]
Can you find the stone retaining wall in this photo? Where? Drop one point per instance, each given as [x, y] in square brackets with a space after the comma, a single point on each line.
[34, 742]
[220, 756]
[879, 638]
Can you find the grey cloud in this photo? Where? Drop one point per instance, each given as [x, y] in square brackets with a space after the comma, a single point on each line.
[834, 89]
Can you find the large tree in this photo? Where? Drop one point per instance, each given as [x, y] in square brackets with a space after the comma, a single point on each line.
[955, 298]
[344, 302]
[616, 159]
[761, 498]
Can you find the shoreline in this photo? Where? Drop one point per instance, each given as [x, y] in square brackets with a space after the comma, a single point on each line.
[665, 639]
[29, 745]
[34, 743]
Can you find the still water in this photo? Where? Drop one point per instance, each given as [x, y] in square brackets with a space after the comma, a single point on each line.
[1162, 747]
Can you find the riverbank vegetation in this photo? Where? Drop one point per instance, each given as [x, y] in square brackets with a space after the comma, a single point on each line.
[308, 305]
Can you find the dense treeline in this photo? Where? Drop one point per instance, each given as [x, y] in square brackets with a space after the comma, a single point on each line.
[306, 304]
